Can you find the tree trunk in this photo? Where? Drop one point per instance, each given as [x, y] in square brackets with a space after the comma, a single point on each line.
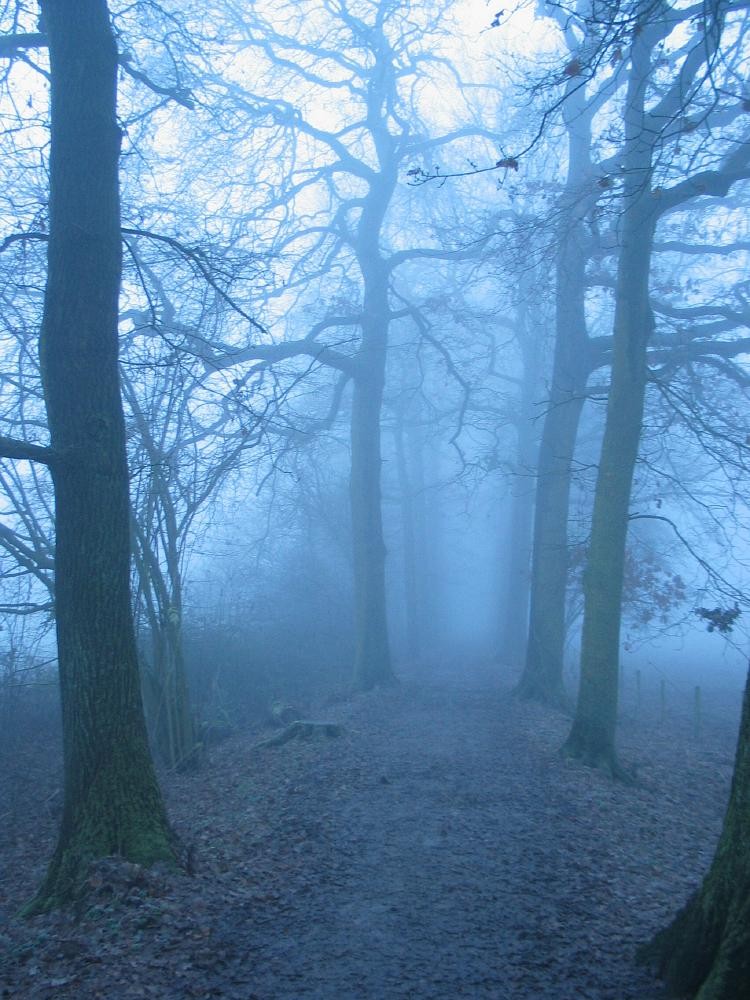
[592, 737]
[372, 664]
[164, 680]
[417, 449]
[112, 802]
[705, 952]
[515, 612]
[514, 622]
[156, 552]
[542, 678]
[174, 726]
[409, 541]
[372, 661]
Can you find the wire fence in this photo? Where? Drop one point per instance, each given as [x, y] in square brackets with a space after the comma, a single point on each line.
[650, 695]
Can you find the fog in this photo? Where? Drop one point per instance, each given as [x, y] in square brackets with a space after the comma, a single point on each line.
[373, 488]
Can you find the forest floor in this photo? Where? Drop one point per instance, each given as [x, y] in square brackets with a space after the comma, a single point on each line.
[441, 848]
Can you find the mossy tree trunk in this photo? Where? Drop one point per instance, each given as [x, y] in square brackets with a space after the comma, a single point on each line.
[112, 803]
[592, 737]
[705, 952]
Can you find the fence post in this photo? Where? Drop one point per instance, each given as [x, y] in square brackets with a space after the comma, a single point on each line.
[697, 714]
[638, 692]
[663, 701]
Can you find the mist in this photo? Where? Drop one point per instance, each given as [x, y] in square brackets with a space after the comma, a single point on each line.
[373, 479]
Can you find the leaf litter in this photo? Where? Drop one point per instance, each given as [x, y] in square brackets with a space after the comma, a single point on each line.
[440, 848]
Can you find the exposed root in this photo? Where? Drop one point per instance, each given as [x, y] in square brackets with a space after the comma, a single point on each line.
[600, 760]
[302, 730]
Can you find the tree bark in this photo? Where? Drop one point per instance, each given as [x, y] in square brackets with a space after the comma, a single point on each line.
[705, 952]
[112, 802]
[409, 541]
[417, 453]
[592, 737]
[542, 678]
[515, 611]
[372, 663]
[164, 680]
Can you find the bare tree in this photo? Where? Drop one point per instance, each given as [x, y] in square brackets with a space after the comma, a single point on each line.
[372, 55]
[644, 201]
[112, 802]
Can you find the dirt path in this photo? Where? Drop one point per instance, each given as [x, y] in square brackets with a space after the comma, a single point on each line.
[440, 849]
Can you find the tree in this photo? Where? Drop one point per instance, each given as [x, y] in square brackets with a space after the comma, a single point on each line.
[112, 802]
[371, 56]
[705, 951]
[647, 129]
[587, 230]
[542, 677]
[187, 435]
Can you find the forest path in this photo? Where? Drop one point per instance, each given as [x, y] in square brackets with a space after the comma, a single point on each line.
[440, 849]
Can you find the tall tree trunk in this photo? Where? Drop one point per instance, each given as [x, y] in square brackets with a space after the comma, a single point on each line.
[705, 952]
[542, 678]
[417, 449]
[175, 726]
[372, 660]
[514, 619]
[592, 737]
[112, 802]
[164, 679]
[515, 612]
[409, 541]
[372, 663]
[156, 552]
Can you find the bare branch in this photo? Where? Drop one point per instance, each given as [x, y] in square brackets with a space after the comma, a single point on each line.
[181, 95]
[22, 450]
[11, 45]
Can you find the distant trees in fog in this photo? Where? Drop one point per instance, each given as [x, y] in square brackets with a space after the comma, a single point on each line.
[345, 292]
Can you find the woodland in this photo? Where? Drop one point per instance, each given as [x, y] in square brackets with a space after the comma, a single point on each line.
[374, 453]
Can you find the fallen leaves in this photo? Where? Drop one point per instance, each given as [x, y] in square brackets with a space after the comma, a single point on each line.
[440, 849]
